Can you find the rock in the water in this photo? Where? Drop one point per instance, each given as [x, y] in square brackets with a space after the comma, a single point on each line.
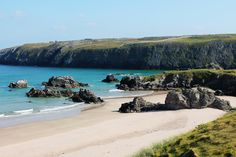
[49, 92]
[130, 83]
[139, 105]
[110, 78]
[63, 82]
[195, 98]
[19, 84]
[85, 96]
[175, 101]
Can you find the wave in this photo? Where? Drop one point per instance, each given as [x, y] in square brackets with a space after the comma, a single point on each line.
[59, 108]
[116, 90]
[24, 112]
[2, 115]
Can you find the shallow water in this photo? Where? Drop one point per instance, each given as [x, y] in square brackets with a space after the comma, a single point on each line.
[13, 102]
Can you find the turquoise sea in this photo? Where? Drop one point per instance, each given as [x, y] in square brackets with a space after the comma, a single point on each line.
[13, 102]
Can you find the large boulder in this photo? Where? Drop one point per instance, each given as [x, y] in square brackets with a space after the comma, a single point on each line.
[195, 98]
[175, 101]
[85, 96]
[63, 82]
[19, 84]
[138, 105]
[49, 92]
[110, 78]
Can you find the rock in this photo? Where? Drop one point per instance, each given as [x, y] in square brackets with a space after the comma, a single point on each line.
[196, 98]
[221, 104]
[130, 83]
[19, 84]
[110, 78]
[63, 82]
[175, 101]
[49, 92]
[139, 105]
[199, 97]
[85, 96]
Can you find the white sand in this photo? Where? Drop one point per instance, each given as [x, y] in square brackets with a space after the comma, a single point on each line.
[102, 132]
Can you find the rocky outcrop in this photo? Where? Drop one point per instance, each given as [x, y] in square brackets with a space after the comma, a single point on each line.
[139, 105]
[195, 98]
[63, 82]
[140, 55]
[223, 81]
[19, 84]
[110, 78]
[85, 96]
[49, 92]
[131, 83]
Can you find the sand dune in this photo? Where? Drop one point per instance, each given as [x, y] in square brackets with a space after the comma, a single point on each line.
[102, 132]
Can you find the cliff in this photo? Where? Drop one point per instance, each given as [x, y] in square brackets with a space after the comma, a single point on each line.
[144, 53]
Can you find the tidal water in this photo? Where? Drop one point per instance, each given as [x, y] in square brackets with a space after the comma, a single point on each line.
[14, 102]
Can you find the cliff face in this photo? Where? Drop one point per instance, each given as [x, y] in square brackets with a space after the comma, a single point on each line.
[162, 55]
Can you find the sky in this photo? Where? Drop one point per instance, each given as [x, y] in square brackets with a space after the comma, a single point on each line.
[30, 21]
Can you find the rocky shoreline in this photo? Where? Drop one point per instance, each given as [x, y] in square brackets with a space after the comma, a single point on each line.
[223, 81]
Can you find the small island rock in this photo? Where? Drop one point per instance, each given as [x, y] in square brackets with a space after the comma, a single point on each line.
[19, 84]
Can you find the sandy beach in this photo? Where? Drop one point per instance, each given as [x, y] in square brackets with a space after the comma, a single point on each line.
[102, 132]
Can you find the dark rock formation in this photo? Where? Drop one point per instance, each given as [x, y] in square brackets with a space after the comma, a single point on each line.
[224, 82]
[157, 55]
[63, 82]
[19, 84]
[195, 98]
[85, 96]
[138, 105]
[176, 101]
[49, 92]
[110, 78]
[131, 83]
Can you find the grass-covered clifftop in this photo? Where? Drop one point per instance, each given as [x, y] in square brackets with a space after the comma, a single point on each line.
[217, 138]
[129, 53]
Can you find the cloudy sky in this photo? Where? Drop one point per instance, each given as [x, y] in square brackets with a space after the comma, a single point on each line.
[27, 21]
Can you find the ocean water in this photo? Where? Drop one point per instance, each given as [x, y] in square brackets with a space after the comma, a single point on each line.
[14, 102]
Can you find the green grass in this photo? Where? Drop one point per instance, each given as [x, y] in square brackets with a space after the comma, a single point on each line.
[196, 73]
[205, 38]
[117, 43]
[214, 139]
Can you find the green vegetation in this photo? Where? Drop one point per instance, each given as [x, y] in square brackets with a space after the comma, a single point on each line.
[205, 38]
[217, 138]
[116, 43]
[196, 73]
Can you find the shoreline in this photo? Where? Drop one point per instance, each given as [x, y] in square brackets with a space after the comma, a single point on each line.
[102, 130]
[55, 113]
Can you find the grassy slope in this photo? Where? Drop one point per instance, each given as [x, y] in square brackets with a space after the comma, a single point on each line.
[116, 43]
[197, 73]
[217, 138]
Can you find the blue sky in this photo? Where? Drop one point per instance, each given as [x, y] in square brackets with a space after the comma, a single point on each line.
[27, 21]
